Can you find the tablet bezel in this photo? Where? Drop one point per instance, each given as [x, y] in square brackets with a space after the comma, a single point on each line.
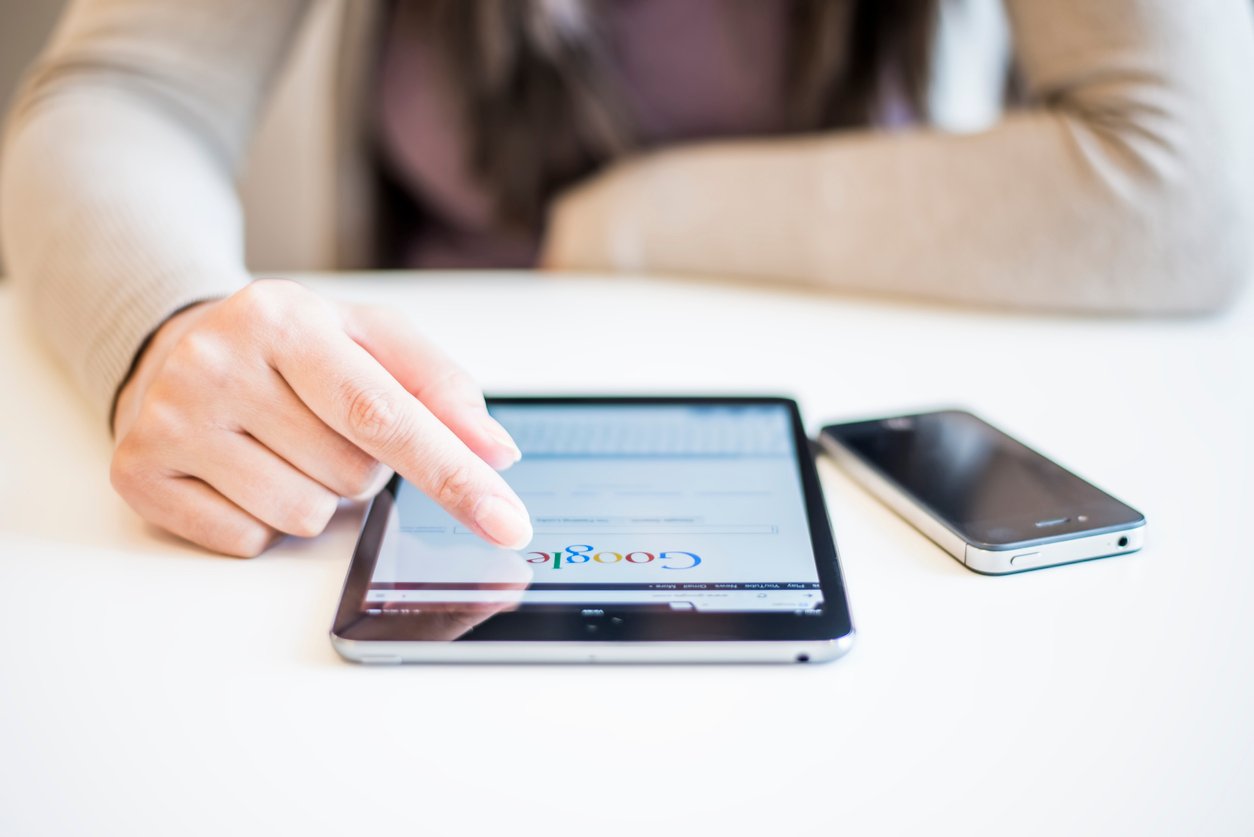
[569, 626]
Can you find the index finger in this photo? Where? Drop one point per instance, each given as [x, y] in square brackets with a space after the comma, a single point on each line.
[349, 390]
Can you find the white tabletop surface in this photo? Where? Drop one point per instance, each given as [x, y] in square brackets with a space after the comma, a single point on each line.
[149, 688]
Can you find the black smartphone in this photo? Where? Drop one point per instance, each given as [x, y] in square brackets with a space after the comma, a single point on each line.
[989, 500]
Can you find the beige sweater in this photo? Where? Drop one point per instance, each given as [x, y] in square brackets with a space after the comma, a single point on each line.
[1127, 185]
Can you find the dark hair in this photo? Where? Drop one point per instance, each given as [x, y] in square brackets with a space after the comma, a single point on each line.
[541, 112]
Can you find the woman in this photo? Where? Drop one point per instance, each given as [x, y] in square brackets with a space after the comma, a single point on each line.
[782, 139]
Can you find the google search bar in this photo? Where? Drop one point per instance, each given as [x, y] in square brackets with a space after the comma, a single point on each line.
[645, 529]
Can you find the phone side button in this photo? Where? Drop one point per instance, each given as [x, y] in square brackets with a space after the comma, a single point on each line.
[1027, 559]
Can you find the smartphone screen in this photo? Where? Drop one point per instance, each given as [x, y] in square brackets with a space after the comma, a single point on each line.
[987, 486]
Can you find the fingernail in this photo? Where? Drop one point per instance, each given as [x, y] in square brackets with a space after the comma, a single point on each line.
[503, 522]
[501, 436]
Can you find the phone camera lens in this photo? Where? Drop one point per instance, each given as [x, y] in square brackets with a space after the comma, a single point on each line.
[1123, 541]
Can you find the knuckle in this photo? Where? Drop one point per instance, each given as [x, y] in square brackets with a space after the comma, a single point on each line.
[249, 542]
[202, 359]
[374, 418]
[309, 515]
[458, 386]
[453, 485]
[136, 470]
[269, 305]
[363, 479]
[241, 537]
[160, 421]
[267, 293]
[124, 469]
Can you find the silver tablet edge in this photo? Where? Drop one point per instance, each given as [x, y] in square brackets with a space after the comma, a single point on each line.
[530, 651]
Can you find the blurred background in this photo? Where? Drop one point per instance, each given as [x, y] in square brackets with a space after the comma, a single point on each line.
[26, 26]
[287, 185]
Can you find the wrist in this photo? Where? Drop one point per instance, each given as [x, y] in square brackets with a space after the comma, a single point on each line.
[147, 359]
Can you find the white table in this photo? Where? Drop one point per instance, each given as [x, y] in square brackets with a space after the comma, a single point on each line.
[149, 688]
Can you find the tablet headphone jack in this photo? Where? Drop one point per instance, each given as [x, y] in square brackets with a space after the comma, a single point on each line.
[803, 658]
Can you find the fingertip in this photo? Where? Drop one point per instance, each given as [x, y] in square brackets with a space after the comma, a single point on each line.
[501, 460]
[498, 434]
[488, 439]
[504, 522]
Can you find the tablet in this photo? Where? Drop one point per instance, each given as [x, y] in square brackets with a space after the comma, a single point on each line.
[666, 530]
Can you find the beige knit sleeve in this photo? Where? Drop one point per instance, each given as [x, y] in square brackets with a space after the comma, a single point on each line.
[116, 193]
[1127, 185]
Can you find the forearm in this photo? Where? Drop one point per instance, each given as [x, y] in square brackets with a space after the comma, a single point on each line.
[116, 195]
[955, 218]
[108, 236]
[1128, 186]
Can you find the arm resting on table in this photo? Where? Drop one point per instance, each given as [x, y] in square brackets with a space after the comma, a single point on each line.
[1127, 186]
[117, 198]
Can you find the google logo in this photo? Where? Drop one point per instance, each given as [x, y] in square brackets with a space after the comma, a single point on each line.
[582, 553]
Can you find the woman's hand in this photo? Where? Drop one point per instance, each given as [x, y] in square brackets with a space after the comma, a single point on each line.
[249, 417]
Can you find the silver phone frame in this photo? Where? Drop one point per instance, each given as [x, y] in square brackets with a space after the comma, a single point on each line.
[1012, 558]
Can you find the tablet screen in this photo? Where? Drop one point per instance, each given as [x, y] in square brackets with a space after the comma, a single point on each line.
[678, 507]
